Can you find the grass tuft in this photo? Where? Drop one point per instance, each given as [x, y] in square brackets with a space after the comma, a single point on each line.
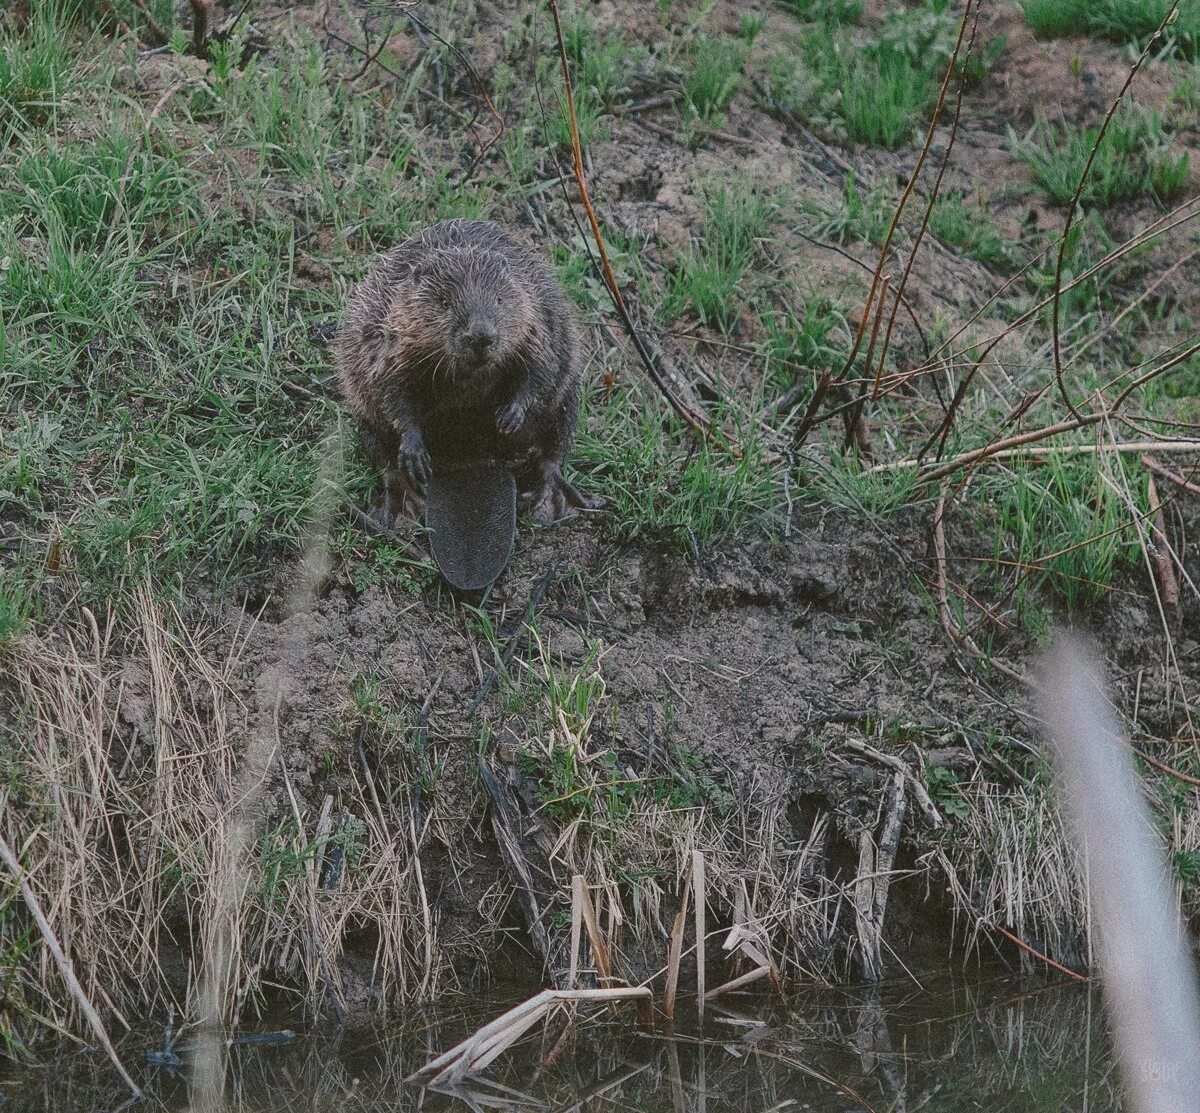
[1134, 159]
[713, 77]
[1122, 21]
[708, 281]
[968, 226]
[659, 485]
[38, 66]
[826, 11]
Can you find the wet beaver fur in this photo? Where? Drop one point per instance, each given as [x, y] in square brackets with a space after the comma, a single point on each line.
[460, 346]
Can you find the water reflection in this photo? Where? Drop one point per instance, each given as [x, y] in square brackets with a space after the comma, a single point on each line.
[995, 1046]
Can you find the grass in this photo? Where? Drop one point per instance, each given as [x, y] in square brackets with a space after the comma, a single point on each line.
[853, 216]
[879, 92]
[708, 281]
[969, 226]
[603, 68]
[714, 75]
[1066, 525]
[38, 67]
[826, 11]
[698, 495]
[1120, 21]
[806, 341]
[204, 460]
[1134, 159]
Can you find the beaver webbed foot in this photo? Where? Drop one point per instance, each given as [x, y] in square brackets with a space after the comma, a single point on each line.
[554, 498]
[398, 500]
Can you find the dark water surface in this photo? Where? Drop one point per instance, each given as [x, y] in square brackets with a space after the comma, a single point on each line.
[990, 1045]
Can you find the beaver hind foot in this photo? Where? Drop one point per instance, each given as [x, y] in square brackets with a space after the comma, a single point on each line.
[553, 498]
[397, 500]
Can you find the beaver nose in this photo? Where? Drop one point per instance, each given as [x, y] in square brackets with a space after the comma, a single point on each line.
[481, 334]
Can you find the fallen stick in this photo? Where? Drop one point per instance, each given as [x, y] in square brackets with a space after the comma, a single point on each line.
[698, 883]
[64, 963]
[1012, 449]
[1174, 477]
[675, 950]
[480, 1049]
[1160, 553]
[1036, 953]
[924, 802]
[738, 982]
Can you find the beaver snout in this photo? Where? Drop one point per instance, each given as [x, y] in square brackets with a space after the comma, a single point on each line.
[481, 334]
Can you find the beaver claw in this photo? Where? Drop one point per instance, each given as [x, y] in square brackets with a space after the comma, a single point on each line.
[556, 498]
[413, 460]
[510, 418]
[398, 501]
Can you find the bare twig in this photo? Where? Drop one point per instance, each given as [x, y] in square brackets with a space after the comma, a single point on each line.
[675, 949]
[927, 806]
[1083, 177]
[876, 295]
[134, 147]
[693, 418]
[1167, 473]
[970, 15]
[1012, 448]
[1161, 550]
[1037, 954]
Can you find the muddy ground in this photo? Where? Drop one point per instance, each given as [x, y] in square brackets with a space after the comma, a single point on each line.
[422, 774]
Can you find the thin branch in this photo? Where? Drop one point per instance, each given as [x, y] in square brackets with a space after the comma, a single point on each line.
[1087, 169]
[694, 419]
[480, 87]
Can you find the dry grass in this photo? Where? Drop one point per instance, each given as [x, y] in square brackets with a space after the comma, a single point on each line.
[137, 798]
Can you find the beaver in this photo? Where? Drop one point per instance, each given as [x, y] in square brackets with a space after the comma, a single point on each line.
[460, 346]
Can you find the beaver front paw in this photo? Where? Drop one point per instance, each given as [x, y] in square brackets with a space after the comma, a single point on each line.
[413, 459]
[510, 418]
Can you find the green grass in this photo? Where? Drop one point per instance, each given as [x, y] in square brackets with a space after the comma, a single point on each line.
[1064, 523]
[968, 226]
[1135, 158]
[714, 75]
[1120, 21]
[602, 67]
[853, 216]
[152, 336]
[1055, 18]
[602, 71]
[709, 280]
[660, 485]
[15, 606]
[879, 92]
[39, 66]
[826, 11]
[804, 342]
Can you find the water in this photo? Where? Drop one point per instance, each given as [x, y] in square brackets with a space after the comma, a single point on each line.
[991, 1045]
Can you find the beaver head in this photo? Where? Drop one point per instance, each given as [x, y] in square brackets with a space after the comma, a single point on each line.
[478, 309]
